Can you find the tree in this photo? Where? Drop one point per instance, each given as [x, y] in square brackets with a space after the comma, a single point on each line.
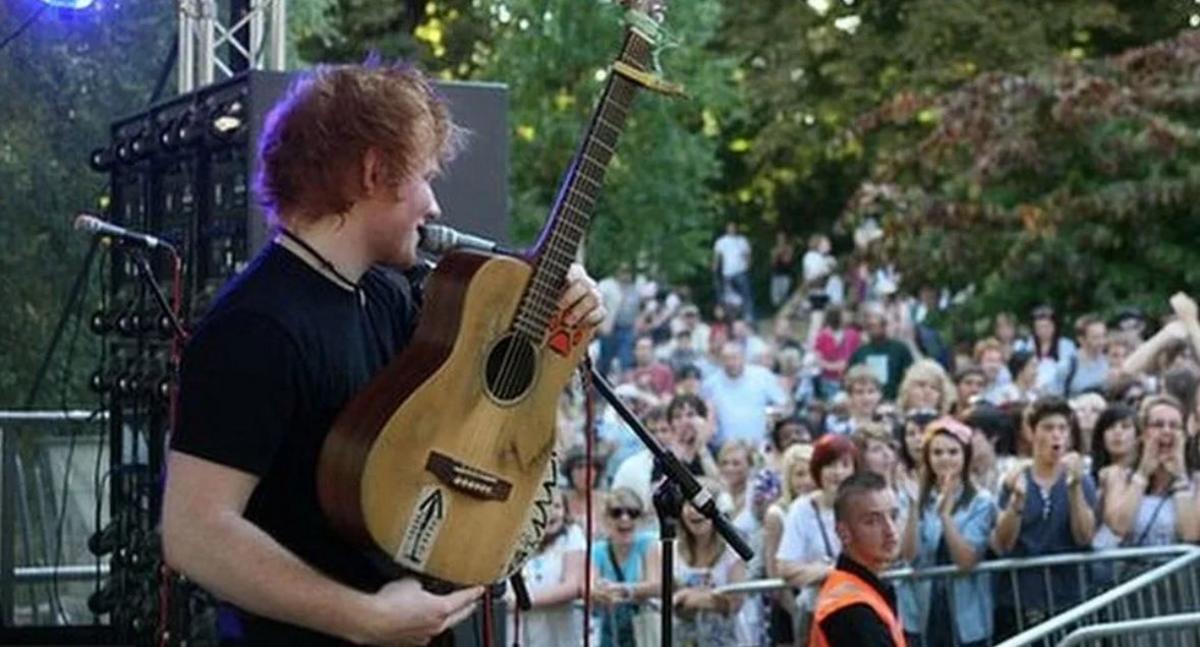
[811, 69]
[1074, 183]
[64, 80]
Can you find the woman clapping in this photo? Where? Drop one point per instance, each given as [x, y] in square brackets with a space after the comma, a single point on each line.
[948, 523]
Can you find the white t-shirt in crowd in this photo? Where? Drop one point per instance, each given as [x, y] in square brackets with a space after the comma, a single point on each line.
[555, 624]
[734, 251]
[806, 537]
[817, 265]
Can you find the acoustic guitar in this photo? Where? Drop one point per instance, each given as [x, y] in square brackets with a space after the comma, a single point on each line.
[444, 461]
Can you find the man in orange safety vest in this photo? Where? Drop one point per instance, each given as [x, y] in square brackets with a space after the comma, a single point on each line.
[855, 607]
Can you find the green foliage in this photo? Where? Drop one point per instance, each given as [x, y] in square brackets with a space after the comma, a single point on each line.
[815, 71]
[1074, 183]
[657, 205]
[63, 81]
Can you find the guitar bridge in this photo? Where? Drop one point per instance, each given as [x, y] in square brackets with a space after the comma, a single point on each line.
[466, 479]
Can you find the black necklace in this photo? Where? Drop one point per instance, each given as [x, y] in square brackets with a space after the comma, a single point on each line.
[325, 262]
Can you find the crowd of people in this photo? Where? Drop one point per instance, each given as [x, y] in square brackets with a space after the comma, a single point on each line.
[1029, 441]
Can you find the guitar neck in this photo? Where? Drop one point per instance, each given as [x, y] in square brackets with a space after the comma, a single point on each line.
[571, 215]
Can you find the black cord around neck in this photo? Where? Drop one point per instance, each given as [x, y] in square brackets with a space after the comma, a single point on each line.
[325, 262]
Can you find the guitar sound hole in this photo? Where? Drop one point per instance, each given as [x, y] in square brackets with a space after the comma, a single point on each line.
[511, 365]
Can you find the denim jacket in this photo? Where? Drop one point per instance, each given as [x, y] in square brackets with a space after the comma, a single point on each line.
[970, 594]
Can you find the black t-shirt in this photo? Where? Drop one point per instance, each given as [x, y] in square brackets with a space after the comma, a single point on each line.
[283, 349]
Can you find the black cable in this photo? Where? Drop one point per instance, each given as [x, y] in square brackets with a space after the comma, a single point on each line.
[25, 25]
[68, 361]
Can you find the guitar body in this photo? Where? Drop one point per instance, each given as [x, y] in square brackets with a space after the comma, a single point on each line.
[445, 460]
[451, 445]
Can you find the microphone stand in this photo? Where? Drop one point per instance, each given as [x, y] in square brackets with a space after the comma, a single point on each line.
[678, 486]
[147, 275]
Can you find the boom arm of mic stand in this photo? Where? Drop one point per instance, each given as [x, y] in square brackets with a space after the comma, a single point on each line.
[147, 275]
[700, 498]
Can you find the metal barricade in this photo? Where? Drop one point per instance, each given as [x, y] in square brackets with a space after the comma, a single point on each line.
[1153, 581]
[35, 556]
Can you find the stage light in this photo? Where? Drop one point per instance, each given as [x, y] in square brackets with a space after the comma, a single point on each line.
[69, 4]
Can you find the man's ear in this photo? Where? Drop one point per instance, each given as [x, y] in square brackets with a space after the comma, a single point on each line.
[843, 533]
[372, 172]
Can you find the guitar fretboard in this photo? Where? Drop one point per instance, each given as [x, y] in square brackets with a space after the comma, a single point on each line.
[572, 212]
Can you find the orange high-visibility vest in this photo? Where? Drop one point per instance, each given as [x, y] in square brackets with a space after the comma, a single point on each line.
[842, 589]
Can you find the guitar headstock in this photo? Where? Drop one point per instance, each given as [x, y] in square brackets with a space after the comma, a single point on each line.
[656, 9]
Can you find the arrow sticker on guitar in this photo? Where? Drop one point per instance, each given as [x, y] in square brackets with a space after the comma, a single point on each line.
[425, 523]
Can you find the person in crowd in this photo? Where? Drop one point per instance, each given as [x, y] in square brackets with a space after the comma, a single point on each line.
[809, 544]
[623, 303]
[1023, 367]
[886, 357]
[626, 568]
[862, 386]
[343, 171]
[731, 268]
[876, 449]
[1087, 407]
[989, 356]
[856, 607]
[1130, 322]
[1155, 504]
[755, 349]
[1114, 456]
[616, 441]
[576, 473]
[689, 320]
[735, 460]
[740, 394]
[1086, 369]
[704, 562]
[1046, 508]
[787, 431]
[1117, 349]
[790, 371]
[554, 580]
[817, 264]
[686, 435]
[968, 384]
[949, 522]
[1125, 389]
[993, 430]
[681, 351]
[1004, 329]
[796, 481]
[926, 387]
[783, 267]
[1049, 347]
[913, 435]
[835, 345]
[647, 372]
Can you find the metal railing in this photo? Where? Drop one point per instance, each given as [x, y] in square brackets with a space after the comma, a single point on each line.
[1169, 576]
[25, 515]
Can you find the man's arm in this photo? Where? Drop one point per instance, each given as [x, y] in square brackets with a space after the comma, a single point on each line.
[856, 625]
[206, 537]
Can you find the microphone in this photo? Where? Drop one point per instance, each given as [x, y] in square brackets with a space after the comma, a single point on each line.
[91, 224]
[439, 239]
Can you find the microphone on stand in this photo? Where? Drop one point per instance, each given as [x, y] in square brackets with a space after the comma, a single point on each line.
[439, 239]
[91, 224]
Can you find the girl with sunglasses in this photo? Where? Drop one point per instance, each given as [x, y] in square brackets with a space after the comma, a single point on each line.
[625, 568]
[948, 523]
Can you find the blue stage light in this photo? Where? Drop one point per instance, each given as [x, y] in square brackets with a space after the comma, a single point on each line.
[69, 4]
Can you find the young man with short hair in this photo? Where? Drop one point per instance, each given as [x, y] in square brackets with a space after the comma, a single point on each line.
[856, 607]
